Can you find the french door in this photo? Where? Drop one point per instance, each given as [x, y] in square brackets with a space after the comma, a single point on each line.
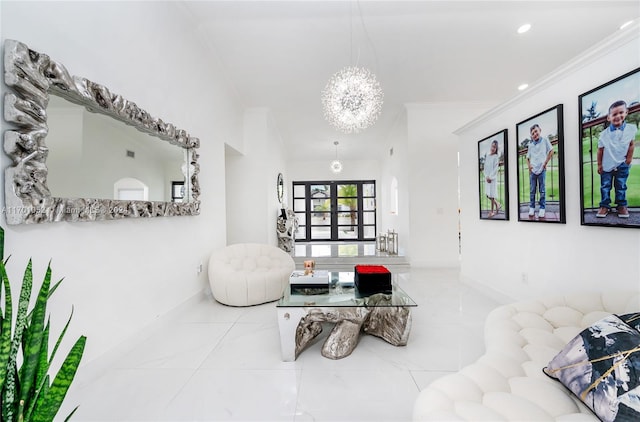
[335, 210]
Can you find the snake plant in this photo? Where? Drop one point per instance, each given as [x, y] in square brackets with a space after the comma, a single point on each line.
[26, 390]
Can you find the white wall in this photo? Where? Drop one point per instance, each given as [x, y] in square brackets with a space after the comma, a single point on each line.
[555, 258]
[311, 170]
[251, 177]
[432, 157]
[121, 275]
[395, 166]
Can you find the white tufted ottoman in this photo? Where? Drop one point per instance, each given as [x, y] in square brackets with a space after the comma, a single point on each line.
[507, 382]
[249, 273]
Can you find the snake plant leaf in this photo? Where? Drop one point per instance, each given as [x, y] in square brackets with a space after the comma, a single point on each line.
[71, 414]
[45, 411]
[45, 368]
[44, 392]
[62, 333]
[25, 392]
[40, 388]
[23, 304]
[55, 286]
[9, 405]
[43, 364]
[5, 336]
[33, 345]
[9, 397]
[51, 290]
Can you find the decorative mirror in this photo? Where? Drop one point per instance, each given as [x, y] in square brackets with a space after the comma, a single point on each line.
[156, 159]
[280, 187]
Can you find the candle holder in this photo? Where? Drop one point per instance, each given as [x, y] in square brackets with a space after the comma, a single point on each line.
[392, 242]
[381, 243]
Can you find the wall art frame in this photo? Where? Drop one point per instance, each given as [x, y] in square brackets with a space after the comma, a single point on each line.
[610, 158]
[493, 176]
[33, 77]
[540, 164]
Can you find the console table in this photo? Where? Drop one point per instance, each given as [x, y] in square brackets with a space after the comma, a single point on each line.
[300, 317]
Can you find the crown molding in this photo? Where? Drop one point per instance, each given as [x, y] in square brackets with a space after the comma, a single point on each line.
[604, 47]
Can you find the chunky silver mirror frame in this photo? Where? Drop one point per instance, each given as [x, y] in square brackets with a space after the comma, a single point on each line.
[33, 76]
[280, 187]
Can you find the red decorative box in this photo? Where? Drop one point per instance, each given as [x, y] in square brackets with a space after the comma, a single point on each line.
[372, 279]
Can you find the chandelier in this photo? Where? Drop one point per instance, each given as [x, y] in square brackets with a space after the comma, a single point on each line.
[336, 165]
[352, 99]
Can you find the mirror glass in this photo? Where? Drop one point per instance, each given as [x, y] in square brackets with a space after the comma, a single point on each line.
[141, 167]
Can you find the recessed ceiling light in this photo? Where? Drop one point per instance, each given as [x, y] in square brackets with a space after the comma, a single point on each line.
[624, 25]
[522, 87]
[524, 28]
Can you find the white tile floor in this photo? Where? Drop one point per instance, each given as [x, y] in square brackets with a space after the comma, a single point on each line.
[212, 362]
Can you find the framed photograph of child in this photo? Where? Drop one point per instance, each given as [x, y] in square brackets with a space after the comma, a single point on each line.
[540, 155]
[610, 171]
[493, 177]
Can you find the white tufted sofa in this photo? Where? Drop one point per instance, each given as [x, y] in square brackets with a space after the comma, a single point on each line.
[507, 382]
[247, 274]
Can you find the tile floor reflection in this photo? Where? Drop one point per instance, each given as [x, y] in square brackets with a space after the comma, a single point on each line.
[336, 249]
[211, 362]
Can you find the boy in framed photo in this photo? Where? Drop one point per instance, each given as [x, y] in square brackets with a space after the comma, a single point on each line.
[615, 152]
[539, 153]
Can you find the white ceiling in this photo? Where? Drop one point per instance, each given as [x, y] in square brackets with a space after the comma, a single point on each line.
[280, 54]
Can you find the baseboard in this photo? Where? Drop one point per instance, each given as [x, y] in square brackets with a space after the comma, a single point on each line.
[96, 367]
[494, 294]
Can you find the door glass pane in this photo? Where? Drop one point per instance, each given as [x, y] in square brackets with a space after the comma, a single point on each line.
[320, 191]
[299, 204]
[347, 191]
[321, 219]
[298, 191]
[346, 232]
[369, 189]
[369, 232]
[369, 204]
[368, 217]
[322, 233]
[301, 233]
[302, 218]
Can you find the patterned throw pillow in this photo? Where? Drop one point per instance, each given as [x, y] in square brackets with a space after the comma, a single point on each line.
[601, 366]
[632, 319]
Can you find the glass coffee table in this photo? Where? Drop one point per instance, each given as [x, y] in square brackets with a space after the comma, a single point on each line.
[300, 317]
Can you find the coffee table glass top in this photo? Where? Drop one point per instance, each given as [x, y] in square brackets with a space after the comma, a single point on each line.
[342, 292]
